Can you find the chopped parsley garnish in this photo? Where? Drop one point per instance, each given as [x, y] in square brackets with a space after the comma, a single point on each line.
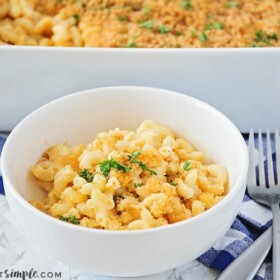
[86, 175]
[133, 156]
[178, 33]
[193, 33]
[77, 18]
[259, 36]
[203, 37]
[131, 45]
[149, 24]
[146, 10]
[173, 184]
[254, 45]
[123, 18]
[208, 26]
[232, 4]
[133, 159]
[186, 4]
[272, 37]
[218, 25]
[107, 165]
[187, 166]
[138, 185]
[163, 29]
[70, 219]
[265, 38]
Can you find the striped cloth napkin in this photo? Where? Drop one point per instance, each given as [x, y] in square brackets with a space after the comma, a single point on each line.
[252, 220]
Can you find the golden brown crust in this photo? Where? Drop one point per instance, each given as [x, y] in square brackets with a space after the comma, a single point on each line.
[143, 24]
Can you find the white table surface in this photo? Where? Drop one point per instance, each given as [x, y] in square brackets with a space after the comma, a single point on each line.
[16, 253]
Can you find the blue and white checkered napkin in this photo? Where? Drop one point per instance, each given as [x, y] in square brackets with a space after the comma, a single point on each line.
[252, 220]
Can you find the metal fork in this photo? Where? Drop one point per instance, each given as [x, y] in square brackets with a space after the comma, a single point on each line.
[267, 193]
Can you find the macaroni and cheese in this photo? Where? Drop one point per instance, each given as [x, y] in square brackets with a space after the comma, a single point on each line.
[128, 180]
[140, 23]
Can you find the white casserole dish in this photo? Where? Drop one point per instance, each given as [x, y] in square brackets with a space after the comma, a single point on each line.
[242, 83]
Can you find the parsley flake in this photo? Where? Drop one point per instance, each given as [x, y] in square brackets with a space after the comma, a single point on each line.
[86, 175]
[203, 37]
[272, 37]
[146, 10]
[131, 45]
[193, 33]
[173, 184]
[208, 26]
[254, 45]
[132, 159]
[186, 4]
[70, 219]
[218, 26]
[149, 24]
[265, 38]
[178, 33]
[138, 185]
[163, 29]
[187, 166]
[259, 36]
[232, 4]
[77, 18]
[123, 18]
[107, 165]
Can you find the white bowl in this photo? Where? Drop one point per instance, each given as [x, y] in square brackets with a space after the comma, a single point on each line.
[78, 118]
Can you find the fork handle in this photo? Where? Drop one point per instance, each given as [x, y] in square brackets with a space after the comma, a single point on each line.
[276, 241]
[249, 262]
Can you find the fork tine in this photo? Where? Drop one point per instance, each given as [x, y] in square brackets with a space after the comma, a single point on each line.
[251, 179]
[261, 160]
[277, 144]
[271, 179]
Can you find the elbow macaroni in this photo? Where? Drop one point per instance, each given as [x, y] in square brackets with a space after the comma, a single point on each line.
[165, 192]
[119, 24]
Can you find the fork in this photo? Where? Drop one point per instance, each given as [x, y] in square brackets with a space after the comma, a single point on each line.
[267, 191]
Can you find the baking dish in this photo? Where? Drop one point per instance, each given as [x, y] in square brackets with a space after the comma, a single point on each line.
[243, 83]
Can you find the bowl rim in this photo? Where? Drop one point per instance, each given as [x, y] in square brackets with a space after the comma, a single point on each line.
[100, 90]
